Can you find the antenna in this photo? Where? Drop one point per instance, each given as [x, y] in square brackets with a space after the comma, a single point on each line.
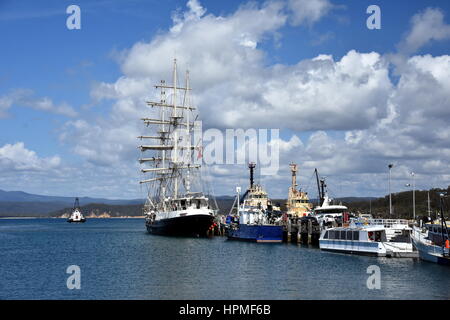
[294, 176]
[251, 166]
[77, 204]
[428, 201]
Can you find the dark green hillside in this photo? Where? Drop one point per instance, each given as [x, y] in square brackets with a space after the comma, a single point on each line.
[402, 203]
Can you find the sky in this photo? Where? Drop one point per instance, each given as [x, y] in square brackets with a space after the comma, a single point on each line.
[348, 100]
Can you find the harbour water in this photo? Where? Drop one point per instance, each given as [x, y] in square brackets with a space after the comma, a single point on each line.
[120, 260]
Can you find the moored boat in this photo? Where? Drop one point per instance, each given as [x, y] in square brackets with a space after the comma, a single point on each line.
[298, 204]
[172, 207]
[365, 240]
[428, 250]
[258, 221]
[76, 215]
[432, 240]
[328, 214]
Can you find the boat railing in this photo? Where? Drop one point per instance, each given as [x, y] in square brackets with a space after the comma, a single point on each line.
[387, 222]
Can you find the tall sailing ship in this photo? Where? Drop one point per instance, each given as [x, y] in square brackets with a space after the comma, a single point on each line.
[175, 203]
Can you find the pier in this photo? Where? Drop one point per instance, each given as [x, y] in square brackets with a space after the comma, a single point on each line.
[301, 230]
[295, 230]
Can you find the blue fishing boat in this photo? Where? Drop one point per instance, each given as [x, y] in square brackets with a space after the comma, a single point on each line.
[258, 220]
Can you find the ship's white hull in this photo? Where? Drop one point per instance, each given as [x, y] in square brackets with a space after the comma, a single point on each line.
[381, 249]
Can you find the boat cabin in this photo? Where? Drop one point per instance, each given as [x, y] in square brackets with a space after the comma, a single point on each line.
[360, 234]
[188, 203]
[257, 197]
[435, 233]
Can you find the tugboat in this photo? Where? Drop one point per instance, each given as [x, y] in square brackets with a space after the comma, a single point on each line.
[172, 208]
[298, 204]
[432, 240]
[76, 215]
[258, 218]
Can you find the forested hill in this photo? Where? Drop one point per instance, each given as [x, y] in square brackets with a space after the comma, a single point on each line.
[402, 203]
[22, 204]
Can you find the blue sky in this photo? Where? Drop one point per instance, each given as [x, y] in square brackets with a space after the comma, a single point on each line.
[41, 55]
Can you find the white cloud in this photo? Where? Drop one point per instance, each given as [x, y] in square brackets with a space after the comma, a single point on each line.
[314, 94]
[308, 11]
[124, 87]
[18, 158]
[217, 48]
[5, 103]
[26, 98]
[360, 119]
[426, 26]
[195, 12]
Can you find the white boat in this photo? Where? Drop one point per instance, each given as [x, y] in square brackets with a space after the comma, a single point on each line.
[172, 206]
[428, 249]
[432, 239]
[76, 215]
[328, 214]
[396, 229]
[365, 240]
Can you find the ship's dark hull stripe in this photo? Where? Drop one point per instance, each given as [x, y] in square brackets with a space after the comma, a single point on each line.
[360, 253]
[195, 225]
[257, 233]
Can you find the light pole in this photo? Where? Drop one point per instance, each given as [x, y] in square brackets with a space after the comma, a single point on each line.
[413, 185]
[390, 195]
[414, 195]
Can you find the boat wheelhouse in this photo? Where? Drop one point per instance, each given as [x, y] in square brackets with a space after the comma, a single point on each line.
[436, 233]
[396, 229]
[298, 204]
[329, 214]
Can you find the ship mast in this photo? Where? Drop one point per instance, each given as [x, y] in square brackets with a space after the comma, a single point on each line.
[251, 166]
[175, 134]
[168, 166]
[188, 133]
[294, 177]
[163, 141]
